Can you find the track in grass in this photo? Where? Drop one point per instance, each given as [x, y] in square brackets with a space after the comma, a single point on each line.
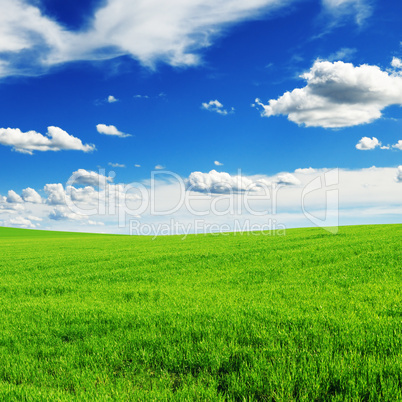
[306, 316]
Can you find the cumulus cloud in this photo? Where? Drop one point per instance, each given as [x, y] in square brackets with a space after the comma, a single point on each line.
[89, 178]
[160, 167]
[287, 179]
[137, 165]
[396, 63]
[111, 130]
[56, 194]
[217, 163]
[111, 99]
[309, 170]
[398, 145]
[22, 222]
[366, 144]
[14, 198]
[56, 139]
[338, 95]
[219, 183]
[398, 176]
[30, 195]
[61, 214]
[217, 107]
[224, 183]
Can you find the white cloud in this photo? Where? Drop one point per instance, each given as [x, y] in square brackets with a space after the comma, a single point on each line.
[116, 165]
[342, 54]
[224, 183]
[141, 96]
[398, 145]
[398, 176]
[396, 63]
[219, 183]
[56, 194]
[217, 163]
[309, 170]
[338, 95]
[110, 130]
[160, 167]
[216, 106]
[14, 198]
[137, 165]
[62, 213]
[56, 139]
[287, 179]
[147, 30]
[360, 9]
[34, 218]
[112, 99]
[366, 144]
[89, 178]
[22, 222]
[30, 195]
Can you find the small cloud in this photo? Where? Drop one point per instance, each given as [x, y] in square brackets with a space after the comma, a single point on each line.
[22, 222]
[398, 145]
[112, 99]
[384, 147]
[343, 54]
[217, 107]
[305, 170]
[287, 179]
[217, 163]
[30, 195]
[396, 63]
[367, 144]
[116, 165]
[89, 178]
[141, 96]
[160, 167]
[56, 194]
[111, 130]
[14, 198]
[137, 165]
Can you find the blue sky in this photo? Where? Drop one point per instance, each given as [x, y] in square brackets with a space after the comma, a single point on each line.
[182, 81]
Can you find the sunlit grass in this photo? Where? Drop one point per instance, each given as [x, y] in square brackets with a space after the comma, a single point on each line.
[306, 316]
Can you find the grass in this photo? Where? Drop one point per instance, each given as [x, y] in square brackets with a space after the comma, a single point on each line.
[309, 316]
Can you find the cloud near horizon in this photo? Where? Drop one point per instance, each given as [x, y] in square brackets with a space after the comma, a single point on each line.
[338, 95]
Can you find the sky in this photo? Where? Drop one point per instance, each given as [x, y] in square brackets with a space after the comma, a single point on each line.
[110, 106]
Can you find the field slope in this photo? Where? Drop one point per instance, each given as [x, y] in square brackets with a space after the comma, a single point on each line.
[307, 316]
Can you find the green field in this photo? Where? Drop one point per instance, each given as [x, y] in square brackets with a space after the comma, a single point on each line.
[309, 316]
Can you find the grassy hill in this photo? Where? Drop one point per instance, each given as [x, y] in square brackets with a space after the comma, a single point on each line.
[306, 316]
